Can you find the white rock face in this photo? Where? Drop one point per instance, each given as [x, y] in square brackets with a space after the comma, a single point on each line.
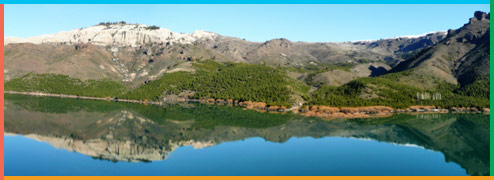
[116, 35]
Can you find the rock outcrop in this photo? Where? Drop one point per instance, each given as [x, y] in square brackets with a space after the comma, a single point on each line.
[116, 35]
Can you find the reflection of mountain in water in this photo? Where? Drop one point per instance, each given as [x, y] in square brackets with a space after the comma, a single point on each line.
[133, 132]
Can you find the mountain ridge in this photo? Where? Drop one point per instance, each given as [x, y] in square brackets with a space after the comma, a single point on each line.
[128, 48]
[152, 30]
[460, 58]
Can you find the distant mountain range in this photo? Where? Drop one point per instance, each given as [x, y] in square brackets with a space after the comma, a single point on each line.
[453, 63]
[132, 52]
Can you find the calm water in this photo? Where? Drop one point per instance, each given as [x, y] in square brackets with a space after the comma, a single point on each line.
[52, 136]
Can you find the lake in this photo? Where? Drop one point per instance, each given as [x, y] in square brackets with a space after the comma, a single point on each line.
[54, 136]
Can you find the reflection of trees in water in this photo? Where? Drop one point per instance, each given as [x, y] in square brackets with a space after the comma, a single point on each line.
[204, 115]
[147, 133]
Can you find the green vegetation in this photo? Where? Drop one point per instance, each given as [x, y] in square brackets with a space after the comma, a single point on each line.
[60, 105]
[111, 23]
[63, 84]
[152, 27]
[224, 81]
[366, 92]
[170, 83]
[372, 91]
[479, 88]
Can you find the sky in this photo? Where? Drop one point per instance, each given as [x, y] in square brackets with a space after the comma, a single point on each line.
[310, 23]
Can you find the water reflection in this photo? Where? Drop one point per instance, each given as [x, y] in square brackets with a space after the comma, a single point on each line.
[140, 133]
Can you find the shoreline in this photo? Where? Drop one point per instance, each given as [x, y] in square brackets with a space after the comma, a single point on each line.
[306, 110]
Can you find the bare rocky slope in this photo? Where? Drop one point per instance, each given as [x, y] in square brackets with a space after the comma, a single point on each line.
[461, 58]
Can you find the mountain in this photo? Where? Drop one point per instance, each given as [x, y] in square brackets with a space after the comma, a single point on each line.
[133, 53]
[405, 46]
[454, 70]
[148, 63]
[461, 58]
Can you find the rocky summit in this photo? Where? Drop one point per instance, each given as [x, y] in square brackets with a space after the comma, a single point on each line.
[118, 34]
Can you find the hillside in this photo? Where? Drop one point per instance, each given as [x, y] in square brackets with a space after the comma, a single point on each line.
[461, 58]
[453, 72]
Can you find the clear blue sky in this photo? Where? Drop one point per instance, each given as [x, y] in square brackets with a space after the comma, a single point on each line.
[314, 23]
